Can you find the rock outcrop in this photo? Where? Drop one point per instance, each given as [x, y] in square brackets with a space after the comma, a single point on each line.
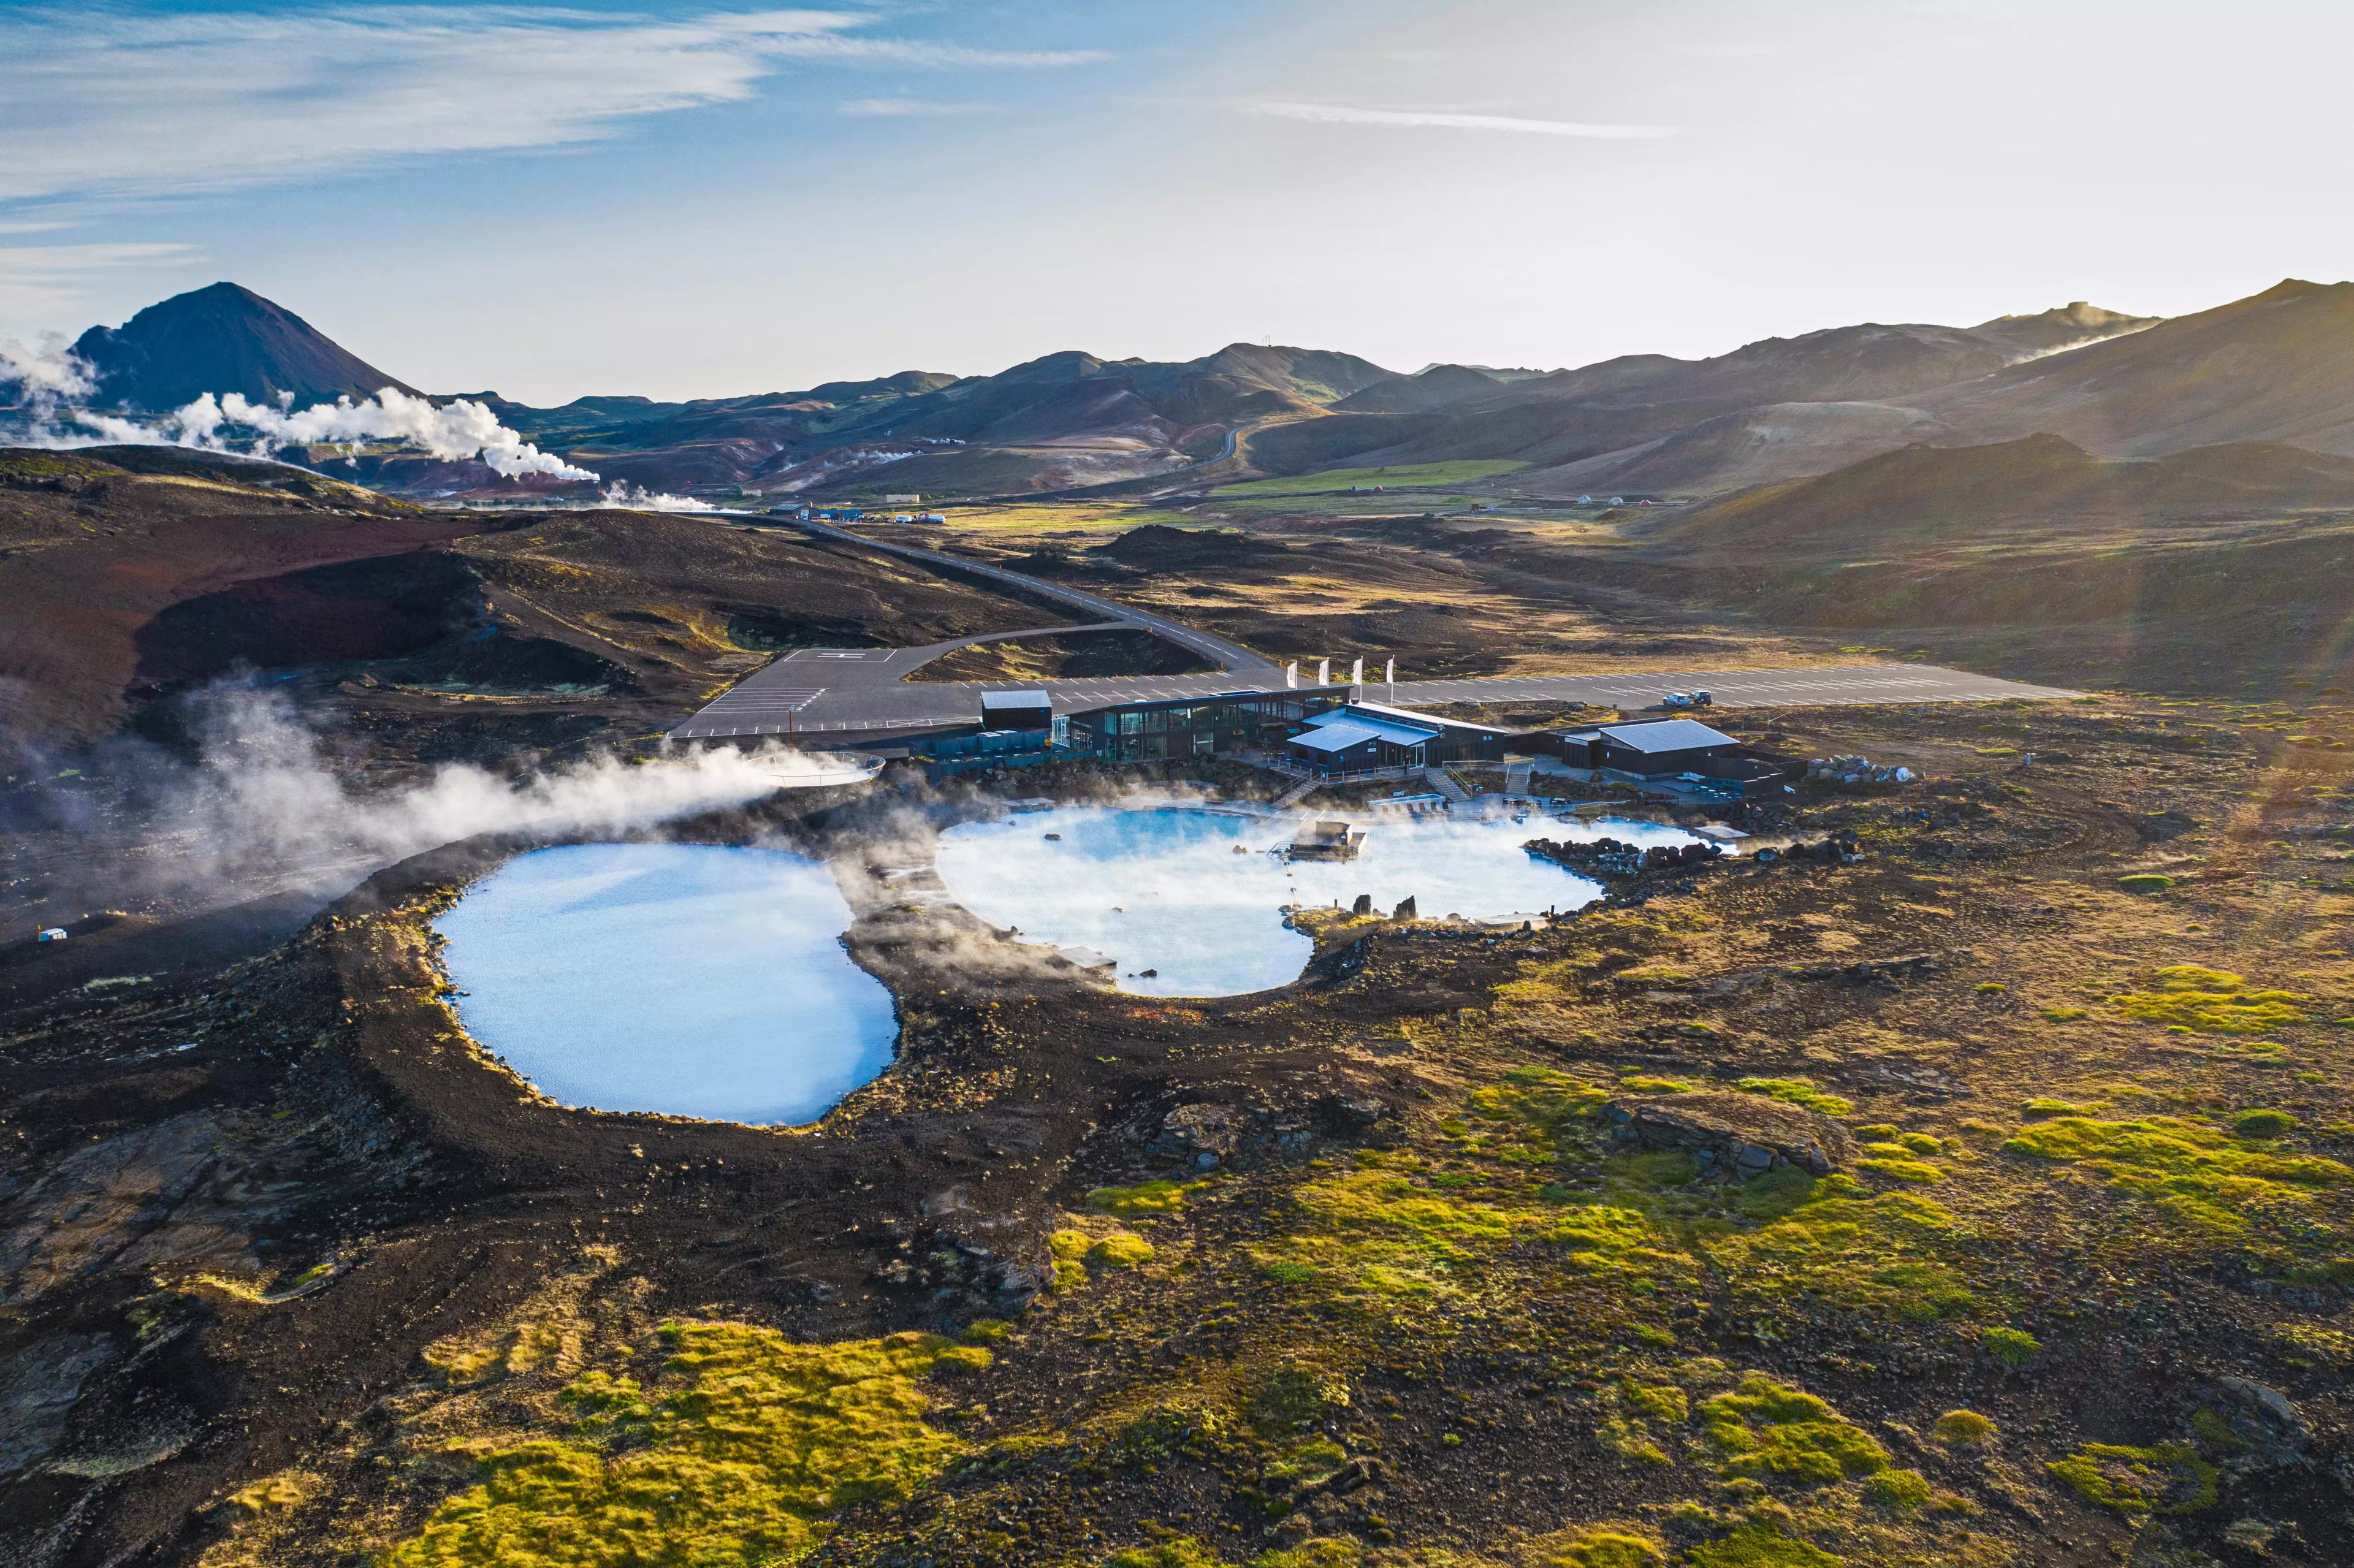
[1734, 1136]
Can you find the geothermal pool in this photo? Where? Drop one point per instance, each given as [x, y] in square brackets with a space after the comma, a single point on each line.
[685, 978]
[1164, 890]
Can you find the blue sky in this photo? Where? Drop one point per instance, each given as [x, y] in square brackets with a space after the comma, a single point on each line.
[704, 199]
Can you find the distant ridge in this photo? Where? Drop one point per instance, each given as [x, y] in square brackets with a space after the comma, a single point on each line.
[222, 339]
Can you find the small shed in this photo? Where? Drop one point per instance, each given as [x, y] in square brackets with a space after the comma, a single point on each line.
[1016, 710]
[1327, 840]
[1659, 748]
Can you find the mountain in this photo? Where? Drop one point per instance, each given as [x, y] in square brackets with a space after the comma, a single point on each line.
[1901, 503]
[1066, 419]
[1769, 409]
[2276, 366]
[1434, 386]
[222, 339]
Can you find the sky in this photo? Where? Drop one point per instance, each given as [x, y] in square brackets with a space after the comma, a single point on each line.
[697, 200]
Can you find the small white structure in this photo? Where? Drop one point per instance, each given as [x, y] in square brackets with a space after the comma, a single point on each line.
[53, 933]
[911, 498]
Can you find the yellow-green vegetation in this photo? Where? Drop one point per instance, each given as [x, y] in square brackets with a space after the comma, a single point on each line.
[1796, 1091]
[1897, 1489]
[2169, 1478]
[1770, 1431]
[2146, 882]
[1602, 1549]
[1644, 1083]
[1963, 1429]
[2206, 1184]
[2014, 1348]
[1413, 473]
[2211, 1002]
[736, 1459]
[1895, 1166]
[2263, 1124]
[1826, 1243]
[1144, 1198]
[1078, 1256]
[1759, 1546]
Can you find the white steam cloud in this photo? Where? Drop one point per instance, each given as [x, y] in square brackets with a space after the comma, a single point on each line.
[48, 371]
[263, 810]
[452, 432]
[638, 499]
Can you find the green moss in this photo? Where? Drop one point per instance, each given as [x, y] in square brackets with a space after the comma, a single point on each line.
[2211, 1002]
[1185, 1552]
[1604, 1549]
[1661, 1402]
[1759, 1546]
[1295, 1398]
[748, 1448]
[1324, 1551]
[1890, 1255]
[982, 1330]
[2265, 1124]
[1643, 1084]
[1897, 1489]
[1768, 1430]
[1921, 1143]
[2207, 1184]
[1877, 1131]
[1796, 1091]
[2014, 1348]
[1963, 1429]
[1117, 1252]
[1144, 1198]
[1896, 1170]
[2169, 1478]
[2144, 882]
[2064, 1014]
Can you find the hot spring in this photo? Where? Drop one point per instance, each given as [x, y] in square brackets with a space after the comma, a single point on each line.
[1164, 891]
[685, 978]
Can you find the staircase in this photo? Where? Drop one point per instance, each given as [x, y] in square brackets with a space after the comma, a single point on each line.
[1440, 782]
[1516, 777]
[1297, 792]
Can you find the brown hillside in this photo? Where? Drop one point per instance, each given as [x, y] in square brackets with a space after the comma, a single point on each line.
[2278, 367]
[1930, 497]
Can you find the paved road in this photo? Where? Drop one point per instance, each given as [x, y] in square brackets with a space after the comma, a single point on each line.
[1247, 668]
[831, 691]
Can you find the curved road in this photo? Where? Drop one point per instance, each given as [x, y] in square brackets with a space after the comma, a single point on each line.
[1232, 657]
[829, 691]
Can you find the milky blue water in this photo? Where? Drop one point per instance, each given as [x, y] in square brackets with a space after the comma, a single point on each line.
[1164, 890]
[686, 979]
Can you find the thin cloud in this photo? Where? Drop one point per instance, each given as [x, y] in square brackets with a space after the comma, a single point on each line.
[911, 108]
[36, 280]
[131, 102]
[1351, 114]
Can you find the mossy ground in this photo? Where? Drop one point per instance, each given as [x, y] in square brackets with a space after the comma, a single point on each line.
[1483, 1335]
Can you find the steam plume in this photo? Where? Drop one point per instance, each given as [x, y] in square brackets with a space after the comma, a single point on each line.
[262, 809]
[455, 430]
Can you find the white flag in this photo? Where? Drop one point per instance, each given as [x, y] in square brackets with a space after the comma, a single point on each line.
[1357, 673]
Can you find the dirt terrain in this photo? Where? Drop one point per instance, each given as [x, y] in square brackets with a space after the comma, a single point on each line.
[1362, 1270]
[1982, 1199]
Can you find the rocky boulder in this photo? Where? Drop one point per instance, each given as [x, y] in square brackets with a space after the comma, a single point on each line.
[1732, 1136]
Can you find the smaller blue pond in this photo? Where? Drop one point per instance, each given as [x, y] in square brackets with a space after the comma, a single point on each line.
[685, 978]
[1194, 898]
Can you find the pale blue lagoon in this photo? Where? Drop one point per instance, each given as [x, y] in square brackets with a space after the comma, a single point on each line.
[685, 978]
[1164, 890]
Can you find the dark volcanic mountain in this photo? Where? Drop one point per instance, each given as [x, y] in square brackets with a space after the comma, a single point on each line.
[223, 339]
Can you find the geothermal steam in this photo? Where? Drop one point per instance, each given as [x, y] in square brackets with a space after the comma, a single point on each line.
[262, 809]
